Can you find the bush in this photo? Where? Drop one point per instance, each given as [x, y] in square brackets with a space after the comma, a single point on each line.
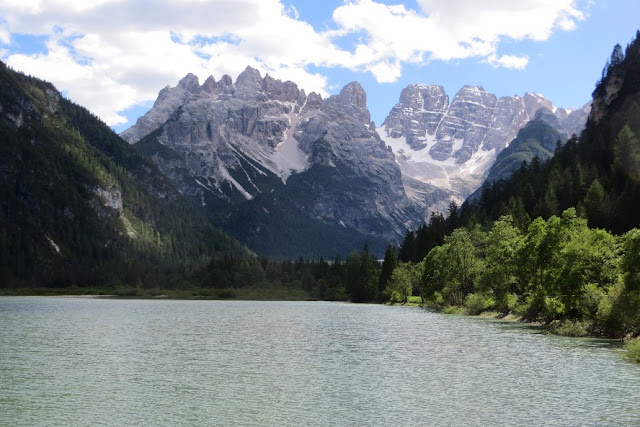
[553, 309]
[570, 328]
[477, 303]
[633, 350]
[453, 309]
[511, 301]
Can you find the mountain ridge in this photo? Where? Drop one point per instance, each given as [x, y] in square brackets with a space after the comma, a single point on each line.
[454, 144]
[237, 147]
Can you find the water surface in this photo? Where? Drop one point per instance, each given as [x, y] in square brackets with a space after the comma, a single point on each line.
[72, 361]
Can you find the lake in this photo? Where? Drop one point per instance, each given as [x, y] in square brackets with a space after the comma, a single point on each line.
[78, 361]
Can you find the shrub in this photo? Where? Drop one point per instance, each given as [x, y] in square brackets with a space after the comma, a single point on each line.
[477, 303]
[553, 309]
[453, 309]
[531, 307]
[511, 301]
[633, 350]
[570, 328]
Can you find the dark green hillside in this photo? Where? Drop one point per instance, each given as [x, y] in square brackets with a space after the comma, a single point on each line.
[537, 139]
[78, 205]
[598, 173]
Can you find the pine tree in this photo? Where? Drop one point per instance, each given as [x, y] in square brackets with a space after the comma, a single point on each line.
[595, 206]
[388, 265]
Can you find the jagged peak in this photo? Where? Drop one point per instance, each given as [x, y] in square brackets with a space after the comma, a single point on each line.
[209, 85]
[250, 76]
[473, 89]
[418, 95]
[225, 80]
[423, 89]
[354, 94]
[189, 82]
[426, 86]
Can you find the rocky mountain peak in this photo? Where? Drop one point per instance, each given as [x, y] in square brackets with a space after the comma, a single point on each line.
[547, 116]
[209, 86]
[265, 142]
[452, 145]
[282, 91]
[534, 101]
[189, 83]
[249, 77]
[353, 94]
[225, 81]
[351, 102]
[249, 84]
[425, 97]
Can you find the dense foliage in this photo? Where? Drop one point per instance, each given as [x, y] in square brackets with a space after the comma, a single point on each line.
[357, 278]
[576, 279]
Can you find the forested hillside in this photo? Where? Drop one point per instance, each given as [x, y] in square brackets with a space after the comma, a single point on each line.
[597, 173]
[78, 205]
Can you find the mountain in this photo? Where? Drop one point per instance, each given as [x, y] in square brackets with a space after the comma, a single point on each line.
[452, 145]
[287, 173]
[538, 138]
[78, 205]
[597, 173]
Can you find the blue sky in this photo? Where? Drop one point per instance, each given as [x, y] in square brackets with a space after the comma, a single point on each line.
[113, 57]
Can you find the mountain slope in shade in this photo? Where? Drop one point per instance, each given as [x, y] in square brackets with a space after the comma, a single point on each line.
[79, 205]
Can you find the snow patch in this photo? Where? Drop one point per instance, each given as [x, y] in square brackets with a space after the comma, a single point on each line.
[457, 144]
[402, 148]
[203, 185]
[226, 175]
[479, 162]
[53, 244]
[288, 156]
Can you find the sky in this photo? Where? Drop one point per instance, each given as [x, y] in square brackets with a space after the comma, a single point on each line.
[114, 56]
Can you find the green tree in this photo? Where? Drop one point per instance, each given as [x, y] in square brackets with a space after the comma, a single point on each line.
[362, 276]
[587, 266]
[627, 153]
[500, 272]
[405, 278]
[388, 265]
[462, 266]
[435, 273]
[595, 205]
[631, 259]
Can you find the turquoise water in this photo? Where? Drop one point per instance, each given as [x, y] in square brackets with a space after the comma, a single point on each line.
[73, 361]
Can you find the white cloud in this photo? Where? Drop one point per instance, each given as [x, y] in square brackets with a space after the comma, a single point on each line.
[112, 54]
[455, 29]
[509, 61]
[5, 36]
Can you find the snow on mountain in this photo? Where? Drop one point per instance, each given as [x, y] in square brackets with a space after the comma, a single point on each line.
[452, 145]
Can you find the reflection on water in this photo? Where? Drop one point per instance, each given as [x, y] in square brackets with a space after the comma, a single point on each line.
[139, 362]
